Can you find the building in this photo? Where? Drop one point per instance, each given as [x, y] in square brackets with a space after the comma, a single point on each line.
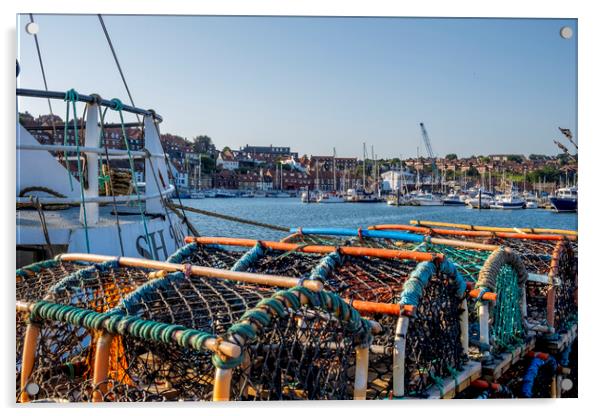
[394, 180]
[267, 154]
[290, 180]
[226, 160]
[342, 163]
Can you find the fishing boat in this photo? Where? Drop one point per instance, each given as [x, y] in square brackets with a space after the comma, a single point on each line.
[71, 209]
[565, 200]
[508, 201]
[246, 195]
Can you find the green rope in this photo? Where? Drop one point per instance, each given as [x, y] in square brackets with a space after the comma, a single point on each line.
[71, 96]
[119, 324]
[118, 106]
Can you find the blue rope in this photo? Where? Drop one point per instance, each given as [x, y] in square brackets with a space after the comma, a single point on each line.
[249, 258]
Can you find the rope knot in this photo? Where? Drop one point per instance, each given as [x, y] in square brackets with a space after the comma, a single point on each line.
[71, 95]
[117, 104]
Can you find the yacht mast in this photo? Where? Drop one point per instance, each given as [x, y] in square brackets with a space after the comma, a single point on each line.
[364, 170]
[334, 169]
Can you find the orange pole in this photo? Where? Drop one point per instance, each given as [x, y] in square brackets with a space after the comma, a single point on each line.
[320, 249]
[393, 309]
[486, 296]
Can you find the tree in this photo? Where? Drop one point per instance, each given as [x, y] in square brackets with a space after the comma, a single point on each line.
[515, 158]
[472, 171]
[451, 156]
[208, 164]
[537, 157]
[203, 144]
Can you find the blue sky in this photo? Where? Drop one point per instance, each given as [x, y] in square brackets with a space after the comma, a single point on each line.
[481, 86]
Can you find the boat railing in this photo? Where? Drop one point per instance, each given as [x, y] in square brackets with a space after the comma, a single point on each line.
[89, 99]
[156, 175]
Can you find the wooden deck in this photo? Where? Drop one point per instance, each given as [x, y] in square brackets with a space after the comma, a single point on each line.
[452, 386]
[493, 371]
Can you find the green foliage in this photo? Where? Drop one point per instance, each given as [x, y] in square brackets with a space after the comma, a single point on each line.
[515, 158]
[472, 171]
[208, 164]
[451, 156]
[203, 144]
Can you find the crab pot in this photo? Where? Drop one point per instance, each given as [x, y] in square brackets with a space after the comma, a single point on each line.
[550, 260]
[374, 275]
[301, 345]
[256, 259]
[31, 283]
[164, 371]
[60, 356]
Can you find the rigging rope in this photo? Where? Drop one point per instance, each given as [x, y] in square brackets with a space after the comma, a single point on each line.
[35, 37]
[102, 23]
[71, 96]
[119, 107]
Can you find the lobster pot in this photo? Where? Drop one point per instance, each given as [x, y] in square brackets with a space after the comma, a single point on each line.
[206, 255]
[258, 259]
[503, 320]
[62, 353]
[164, 371]
[31, 283]
[306, 350]
[551, 262]
[433, 348]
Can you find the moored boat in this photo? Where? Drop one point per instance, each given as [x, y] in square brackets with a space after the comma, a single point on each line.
[565, 200]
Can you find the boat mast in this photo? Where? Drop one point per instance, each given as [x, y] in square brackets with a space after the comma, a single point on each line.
[334, 170]
[364, 170]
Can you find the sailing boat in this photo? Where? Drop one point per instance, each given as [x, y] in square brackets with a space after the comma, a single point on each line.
[361, 195]
[332, 197]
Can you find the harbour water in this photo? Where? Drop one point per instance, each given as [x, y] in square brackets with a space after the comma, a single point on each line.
[291, 212]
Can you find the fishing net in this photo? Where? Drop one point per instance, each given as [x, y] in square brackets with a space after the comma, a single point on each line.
[433, 347]
[166, 370]
[505, 274]
[207, 255]
[296, 344]
[64, 353]
[32, 283]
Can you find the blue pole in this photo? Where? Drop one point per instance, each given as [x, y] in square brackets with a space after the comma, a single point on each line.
[350, 232]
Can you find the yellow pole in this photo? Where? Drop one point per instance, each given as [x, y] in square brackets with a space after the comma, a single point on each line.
[32, 334]
[361, 373]
[494, 229]
[256, 278]
[221, 387]
[101, 365]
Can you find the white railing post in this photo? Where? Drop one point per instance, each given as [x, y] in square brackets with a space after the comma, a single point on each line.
[92, 139]
[159, 181]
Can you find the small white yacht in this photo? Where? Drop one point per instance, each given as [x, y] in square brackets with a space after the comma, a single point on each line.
[426, 199]
[508, 201]
[330, 198]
